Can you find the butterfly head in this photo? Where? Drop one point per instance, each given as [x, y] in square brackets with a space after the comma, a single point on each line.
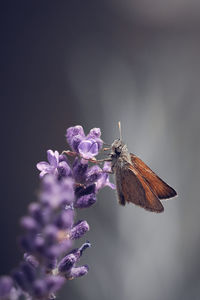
[117, 147]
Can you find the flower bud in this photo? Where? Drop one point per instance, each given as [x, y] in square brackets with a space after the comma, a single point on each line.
[79, 230]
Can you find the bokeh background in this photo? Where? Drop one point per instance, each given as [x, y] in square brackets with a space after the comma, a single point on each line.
[94, 63]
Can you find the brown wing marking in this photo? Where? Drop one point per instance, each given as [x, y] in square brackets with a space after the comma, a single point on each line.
[136, 190]
[158, 186]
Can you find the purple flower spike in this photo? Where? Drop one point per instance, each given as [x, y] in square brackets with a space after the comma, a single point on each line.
[77, 272]
[6, 284]
[49, 229]
[79, 230]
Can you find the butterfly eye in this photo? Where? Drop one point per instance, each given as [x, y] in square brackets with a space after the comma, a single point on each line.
[117, 151]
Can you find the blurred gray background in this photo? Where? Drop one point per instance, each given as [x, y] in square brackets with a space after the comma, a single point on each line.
[94, 63]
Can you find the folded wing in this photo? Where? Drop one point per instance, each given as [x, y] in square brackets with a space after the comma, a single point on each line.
[157, 185]
[134, 188]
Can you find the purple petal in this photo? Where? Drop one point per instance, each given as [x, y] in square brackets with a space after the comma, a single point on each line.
[43, 165]
[107, 166]
[99, 143]
[101, 182]
[85, 146]
[94, 133]
[45, 168]
[53, 157]
[104, 181]
[43, 173]
[6, 283]
[111, 185]
[88, 148]
[94, 149]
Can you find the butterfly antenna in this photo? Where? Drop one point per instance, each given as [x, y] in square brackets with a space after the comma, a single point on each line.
[120, 130]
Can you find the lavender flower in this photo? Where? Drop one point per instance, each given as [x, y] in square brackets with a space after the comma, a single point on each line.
[101, 177]
[87, 146]
[49, 226]
[56, 165]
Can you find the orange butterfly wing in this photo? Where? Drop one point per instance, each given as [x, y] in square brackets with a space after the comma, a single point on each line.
[157, 185]
[132, 187]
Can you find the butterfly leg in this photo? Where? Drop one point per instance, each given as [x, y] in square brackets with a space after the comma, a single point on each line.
[93, 160]
[70, 153]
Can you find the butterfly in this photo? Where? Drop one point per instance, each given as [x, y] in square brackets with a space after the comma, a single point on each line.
[135, 181]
